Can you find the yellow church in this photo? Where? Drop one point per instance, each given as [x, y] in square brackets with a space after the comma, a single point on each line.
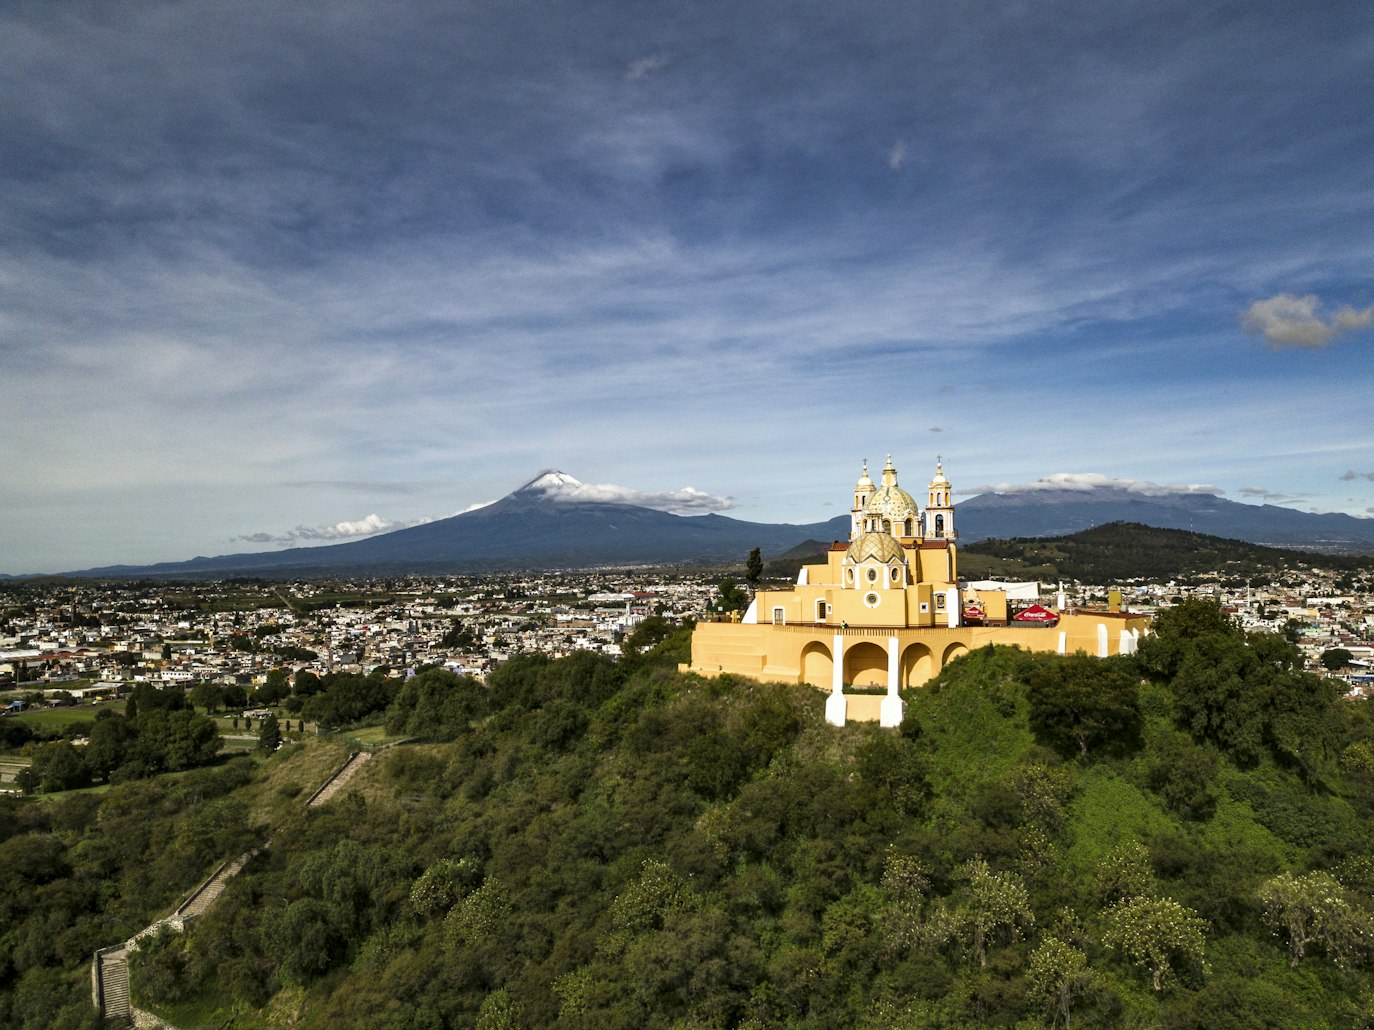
[886, 610]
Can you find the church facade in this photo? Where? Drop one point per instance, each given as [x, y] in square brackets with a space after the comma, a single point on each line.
[886, 610]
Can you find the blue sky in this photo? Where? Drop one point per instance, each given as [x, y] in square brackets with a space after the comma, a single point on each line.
[290, 273]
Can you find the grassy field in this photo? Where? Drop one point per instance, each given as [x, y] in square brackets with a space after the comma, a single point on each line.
[368, 738]
[57, 718]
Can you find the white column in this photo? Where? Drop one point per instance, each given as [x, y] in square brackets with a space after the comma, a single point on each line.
[1063, 641]
[952, 607]
[892, 709]
[1127, 643]
[835, 703]
[1102, 640]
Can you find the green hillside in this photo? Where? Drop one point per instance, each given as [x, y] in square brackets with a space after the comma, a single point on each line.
[1124, 551]
[1174, 839]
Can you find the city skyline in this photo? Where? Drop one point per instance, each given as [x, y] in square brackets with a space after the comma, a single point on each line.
[289, 276]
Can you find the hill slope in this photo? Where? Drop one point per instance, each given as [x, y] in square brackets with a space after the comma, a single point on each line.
[1123, 551]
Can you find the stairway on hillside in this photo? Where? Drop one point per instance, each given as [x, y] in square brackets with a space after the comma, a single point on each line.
[341, 778]
[114, 977]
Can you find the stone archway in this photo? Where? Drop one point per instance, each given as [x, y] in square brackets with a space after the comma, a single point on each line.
[817, 665]
[918, 665]
[955, 650]
[865, 665]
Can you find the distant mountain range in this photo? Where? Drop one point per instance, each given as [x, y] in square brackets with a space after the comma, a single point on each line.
[548, 524]
[1060, 512]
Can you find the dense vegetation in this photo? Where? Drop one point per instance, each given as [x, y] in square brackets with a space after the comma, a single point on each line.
[158, 732]
[1173, 839]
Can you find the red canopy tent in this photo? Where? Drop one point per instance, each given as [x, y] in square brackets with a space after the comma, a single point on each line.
[1035, 613]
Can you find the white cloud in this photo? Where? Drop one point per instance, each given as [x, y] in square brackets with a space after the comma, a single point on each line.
[1287, 320]
[1267, 495]
[337, 532]
[896, 157]
[642, 67]
[686, 501]
[1087, 482]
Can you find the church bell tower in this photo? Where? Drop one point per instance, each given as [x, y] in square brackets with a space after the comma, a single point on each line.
[940, 507]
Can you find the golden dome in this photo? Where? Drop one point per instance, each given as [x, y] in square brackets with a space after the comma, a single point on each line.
[881, 546]
[892, 503]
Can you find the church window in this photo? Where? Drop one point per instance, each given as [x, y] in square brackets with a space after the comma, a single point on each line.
[779, 616]
[896, 574]
[940, 601]
[873, 575]
[939, 525]
[872, 600]
[820, 611]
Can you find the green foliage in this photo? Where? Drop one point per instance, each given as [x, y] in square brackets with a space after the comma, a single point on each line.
[613, 844]
[1158, 934]
[1243, 692]
[1123, 873]
[1317, 909]
[753, 569]
[269, 734]
[1058, 978]
[1334, 658]
[1184, 776]
[436, 705]
[1078, 704]
[732, 597]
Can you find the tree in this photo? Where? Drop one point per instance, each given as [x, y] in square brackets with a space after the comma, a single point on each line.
[753, 569]
[1334, 658]
[269, 736]
[733, 598]
[1059, 976]
[995, 908]
[208, 696]
[1316, 909]
[1123, 873]
[274, 688]
[1156, 933]
[1078, 703]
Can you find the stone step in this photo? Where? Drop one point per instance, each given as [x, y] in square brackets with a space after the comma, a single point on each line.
[341, 778]
[114, 974]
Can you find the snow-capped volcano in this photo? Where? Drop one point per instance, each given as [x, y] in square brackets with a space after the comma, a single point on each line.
[554, 485]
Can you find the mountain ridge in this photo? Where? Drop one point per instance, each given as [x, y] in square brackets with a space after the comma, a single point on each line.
[555, 521]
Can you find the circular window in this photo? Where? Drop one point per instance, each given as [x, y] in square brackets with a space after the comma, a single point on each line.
[895, 575]
[873, 575]
[871, 600]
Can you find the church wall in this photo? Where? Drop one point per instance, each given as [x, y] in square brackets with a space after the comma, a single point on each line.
[777, 653]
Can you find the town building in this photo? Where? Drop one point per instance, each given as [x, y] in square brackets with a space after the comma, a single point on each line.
[886, 610]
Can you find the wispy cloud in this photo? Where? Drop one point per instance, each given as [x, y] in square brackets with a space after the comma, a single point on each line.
[1351, 474]
[686, 501]
[1287, 320]
[896, 157]
[348, 529]
[646, 65]
[1086, 482]
[1269, 495]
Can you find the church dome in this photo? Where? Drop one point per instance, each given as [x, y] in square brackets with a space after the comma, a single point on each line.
[880, 546]
[892, 503]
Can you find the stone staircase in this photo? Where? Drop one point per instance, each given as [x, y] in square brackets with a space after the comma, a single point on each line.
[110, 966]
[340, 779]
[208, 892]
[111, 975]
